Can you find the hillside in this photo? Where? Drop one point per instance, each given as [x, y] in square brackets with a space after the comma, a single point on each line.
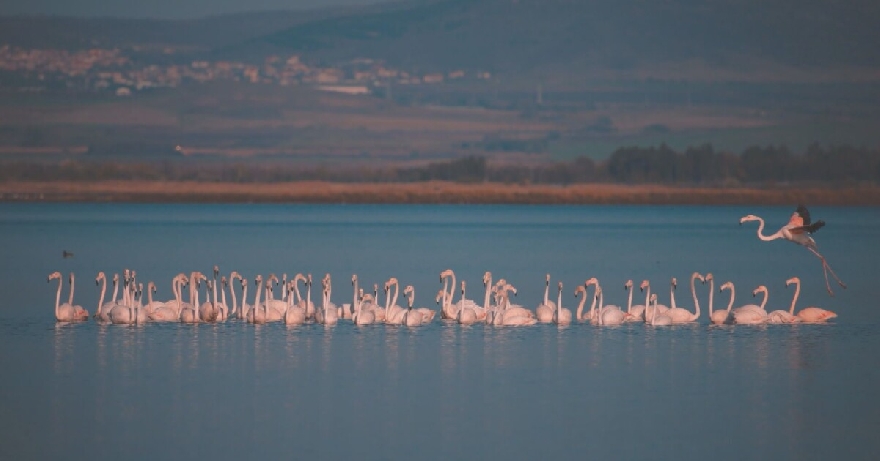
[547, 36]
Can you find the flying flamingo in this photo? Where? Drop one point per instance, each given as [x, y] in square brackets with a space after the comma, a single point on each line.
[808, 314]
[798, 230]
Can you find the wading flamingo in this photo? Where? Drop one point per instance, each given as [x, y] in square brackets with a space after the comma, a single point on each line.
[808, 314]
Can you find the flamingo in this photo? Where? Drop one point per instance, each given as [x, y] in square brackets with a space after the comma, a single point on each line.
[658, 320]
[544, 312]
[637, 312]
[190, 312]
[808, 314]
[63, 312]
[680, 315]
[650, 306]
[751, 314]
[277, 307]
[513, 310]
[562, 316]
[307, 306]
[294, 315]
[721, 316]
[579, 314]
[327, 314]
[393, 312]
[798, 230]
[103, 309]
[448, 310]
[411, 317]
[609, 315]
[363, 315]
[511, 318]
[465, 315]
[167, 311]
[234, 312]
[78, 311]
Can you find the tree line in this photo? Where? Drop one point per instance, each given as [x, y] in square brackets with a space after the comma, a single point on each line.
[701, 165]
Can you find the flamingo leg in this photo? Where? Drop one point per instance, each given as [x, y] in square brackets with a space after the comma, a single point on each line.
[826, 268]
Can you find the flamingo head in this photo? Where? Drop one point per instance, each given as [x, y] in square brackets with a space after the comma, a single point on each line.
[645, 284]
[548, 279]
[709, 277]
[487, 277]
[654, 298]
[726, 286]
[628, 284]
[223, 282]
[580, 289]
[748, 218]
[697, 275]
[234, 275]
[439, 296]
[674, 283]
[54, 275]
[354, 278]
[760, 289]
[793, 280]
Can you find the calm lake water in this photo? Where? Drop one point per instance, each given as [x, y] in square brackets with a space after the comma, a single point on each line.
[236, 391]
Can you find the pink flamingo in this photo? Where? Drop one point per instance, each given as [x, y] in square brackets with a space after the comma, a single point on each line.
[798, 230]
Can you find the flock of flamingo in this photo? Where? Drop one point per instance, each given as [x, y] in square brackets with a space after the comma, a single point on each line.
[496, 309]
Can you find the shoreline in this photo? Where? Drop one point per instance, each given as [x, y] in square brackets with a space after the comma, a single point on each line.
[434, 192]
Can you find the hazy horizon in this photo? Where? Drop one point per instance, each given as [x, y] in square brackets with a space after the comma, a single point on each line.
[164, 9]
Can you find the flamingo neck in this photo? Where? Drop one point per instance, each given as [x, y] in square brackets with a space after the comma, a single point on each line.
[559, 306]
[711, 294]
[103, 291]
[546, 292]
[764, 302]
[654, 313]
[354, 300]
[72, 285]
[234, 298]
[486, 297]
[115, 289]
[452, 288]
[797, 291]
[580, 310]
[763, 237]
[696, 301]
[58, 299]
[672, 297]
[730, 304]
[592, 306]
[222, 297]
[629, 302]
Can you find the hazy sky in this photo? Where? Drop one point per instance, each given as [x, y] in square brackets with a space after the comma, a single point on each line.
[159, 8]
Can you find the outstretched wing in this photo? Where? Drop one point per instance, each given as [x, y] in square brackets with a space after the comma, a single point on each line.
[804, 214]
[800, 222]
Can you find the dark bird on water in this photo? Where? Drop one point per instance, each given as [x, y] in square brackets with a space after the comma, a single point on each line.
[66, 254]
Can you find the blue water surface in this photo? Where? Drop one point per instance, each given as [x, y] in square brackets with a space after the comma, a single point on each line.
[239, 391]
